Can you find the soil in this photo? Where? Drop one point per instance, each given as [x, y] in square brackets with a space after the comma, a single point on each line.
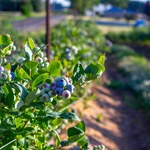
[119, 127]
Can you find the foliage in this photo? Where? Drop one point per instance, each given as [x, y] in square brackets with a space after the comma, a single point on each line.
[136, 36]
[136, 72]
[34, 101]
[116, 2]
[26, 7]
[79, 6]
[38, 5]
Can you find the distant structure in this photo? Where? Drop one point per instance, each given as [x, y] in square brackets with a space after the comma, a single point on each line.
[98, 10]
[101, 8]
[114, 12]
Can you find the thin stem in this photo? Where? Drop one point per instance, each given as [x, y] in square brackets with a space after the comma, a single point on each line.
[8, 144]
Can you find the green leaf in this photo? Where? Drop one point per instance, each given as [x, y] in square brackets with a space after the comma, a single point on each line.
[22, 142]
[5, 43]
[56, 123]
[81, 125]
[78, 72]
[94, 70]
[84, 143]
[19, 104]
[32, 96]
[54, 68]
[8, 66]
[18, 122]
[75, 134]
[69, 116]
[22, 90]
[57, 140]
[40, 79]
[10, 95]
[31, 43]
[29, 47]
[74, 131]
[30, 65]
[21, 74]
[102, 59]
[5, 40]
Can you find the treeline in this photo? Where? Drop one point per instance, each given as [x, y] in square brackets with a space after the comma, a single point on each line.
[25, 6]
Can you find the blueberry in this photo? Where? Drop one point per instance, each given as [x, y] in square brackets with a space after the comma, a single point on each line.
[46, 87]
[21, 60]
[3, 76]
[53, 86]
[38, 59]
[66, 94]
[61, 83]
[13, 75]
[1, 69]
[42, 92]
[69, 81]
[45, 97]
[57, 78]
[70, 88]
[50, 93]
[59, 91]
[41, 54]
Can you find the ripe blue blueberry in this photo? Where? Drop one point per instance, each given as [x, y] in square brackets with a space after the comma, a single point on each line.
[66, 94]
[70, 87]
[13, 75]
[61, 83]
[59, 91]
[57, 78]
[53, 86]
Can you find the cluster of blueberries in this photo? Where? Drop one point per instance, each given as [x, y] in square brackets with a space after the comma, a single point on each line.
[71, 52]
[43, 61]
[6, 75]
[60, 87]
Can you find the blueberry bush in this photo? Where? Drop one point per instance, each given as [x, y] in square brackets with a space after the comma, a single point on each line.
[35, 97]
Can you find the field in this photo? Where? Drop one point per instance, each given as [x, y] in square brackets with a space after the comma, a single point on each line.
[92, 92]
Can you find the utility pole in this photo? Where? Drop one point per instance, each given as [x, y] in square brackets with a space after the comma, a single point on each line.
[48, 15]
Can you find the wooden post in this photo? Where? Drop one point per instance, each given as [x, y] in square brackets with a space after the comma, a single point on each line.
[48, 29]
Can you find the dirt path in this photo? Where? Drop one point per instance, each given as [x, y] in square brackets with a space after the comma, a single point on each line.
[34, 24]
[121, 128]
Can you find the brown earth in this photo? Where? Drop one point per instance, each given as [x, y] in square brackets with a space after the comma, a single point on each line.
[121, 127]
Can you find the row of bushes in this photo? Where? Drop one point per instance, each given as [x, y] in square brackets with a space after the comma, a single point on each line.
[137, 36]
[136, 71]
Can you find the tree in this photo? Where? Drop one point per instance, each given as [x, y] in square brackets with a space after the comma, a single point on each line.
[119, 3]
[147, 8]
[80, 5]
